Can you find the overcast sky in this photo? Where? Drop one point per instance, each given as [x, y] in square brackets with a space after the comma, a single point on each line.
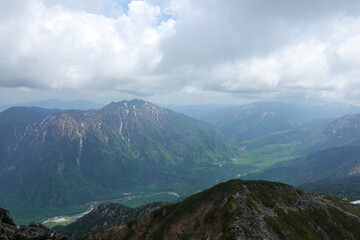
[179, 51]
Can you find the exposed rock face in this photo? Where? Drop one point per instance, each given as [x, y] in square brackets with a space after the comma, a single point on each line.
[35, 231]
[7, 225]
[105, 216]
[5, 217]
[245, 210]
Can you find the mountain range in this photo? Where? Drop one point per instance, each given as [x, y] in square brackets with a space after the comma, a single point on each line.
[253, 120]
[331, 163]
[52, 158]
[323, 157]
[80, 104]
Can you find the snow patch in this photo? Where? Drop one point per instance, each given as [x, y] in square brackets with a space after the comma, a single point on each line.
[80, 152]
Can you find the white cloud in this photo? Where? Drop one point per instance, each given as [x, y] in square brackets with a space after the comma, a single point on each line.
[57, 47]
[154, 47]
[89, 6]
[318, 58]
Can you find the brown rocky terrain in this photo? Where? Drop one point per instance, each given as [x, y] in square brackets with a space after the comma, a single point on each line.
[245, 210]
[104, 216]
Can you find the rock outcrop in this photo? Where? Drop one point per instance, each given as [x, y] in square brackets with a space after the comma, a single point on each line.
[105, 216]
[35, 231]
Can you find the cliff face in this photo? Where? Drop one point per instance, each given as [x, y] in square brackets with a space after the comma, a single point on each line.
[35, 231]
[245, 210]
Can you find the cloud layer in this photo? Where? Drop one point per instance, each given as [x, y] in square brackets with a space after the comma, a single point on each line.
[252, 48]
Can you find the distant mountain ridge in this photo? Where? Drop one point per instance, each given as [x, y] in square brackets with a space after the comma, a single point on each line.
[198, 111]
[347, 187]
[80, 104]
[73, 156]
[344, 131]
[250, 121]
[332, 163]
[320, 159]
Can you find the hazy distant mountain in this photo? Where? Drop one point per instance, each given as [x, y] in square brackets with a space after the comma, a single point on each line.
[344, 131]
[24, 115]
[250, 121]
[61, 158]
[332, 163]
[343, 187]
[58, 104]
[303, 110]
[323, 158]
[198, 111]
[244, 210]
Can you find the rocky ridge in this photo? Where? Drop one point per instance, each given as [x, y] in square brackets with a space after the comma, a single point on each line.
[105, 216]
[245, 210]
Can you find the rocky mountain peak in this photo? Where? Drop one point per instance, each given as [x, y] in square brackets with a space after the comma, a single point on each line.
[83, 154]
[133, 107]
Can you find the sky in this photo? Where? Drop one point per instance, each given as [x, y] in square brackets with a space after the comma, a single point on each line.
[179, 51]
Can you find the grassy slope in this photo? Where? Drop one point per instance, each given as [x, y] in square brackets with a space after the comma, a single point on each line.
[277, 147]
